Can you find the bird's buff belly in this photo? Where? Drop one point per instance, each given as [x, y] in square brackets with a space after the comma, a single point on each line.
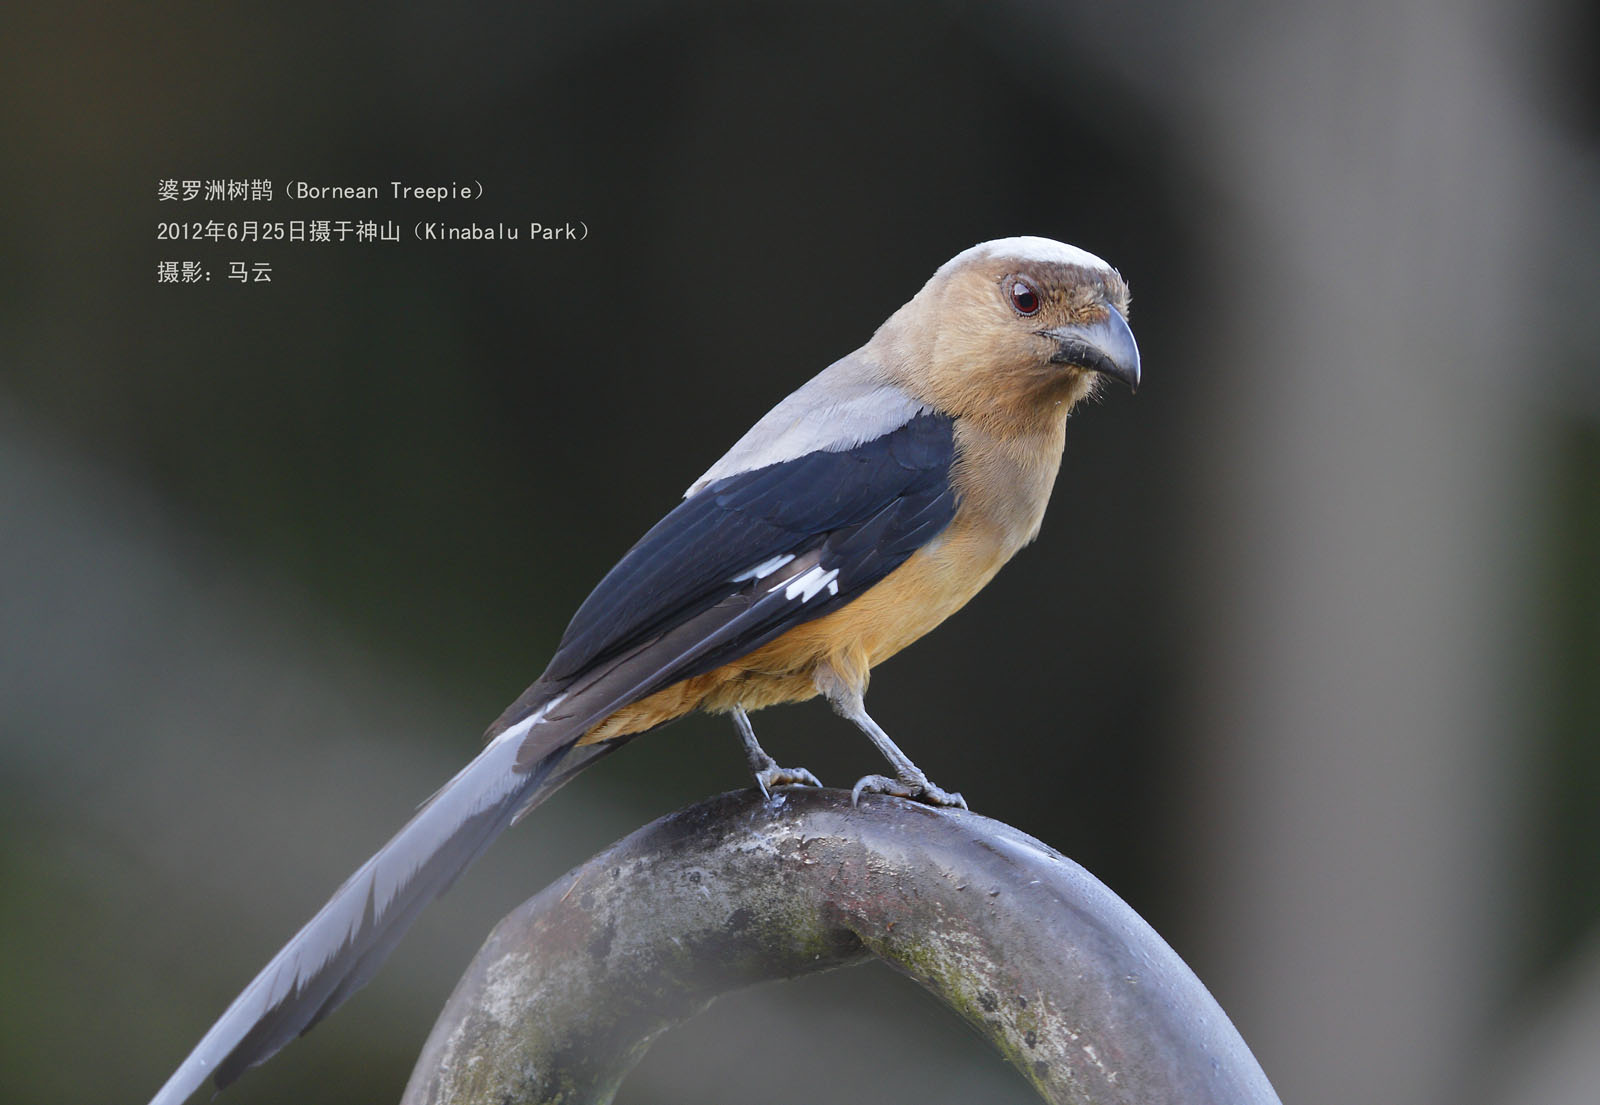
[933, 584]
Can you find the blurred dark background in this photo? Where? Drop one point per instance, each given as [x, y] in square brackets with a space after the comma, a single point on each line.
[1305, 665]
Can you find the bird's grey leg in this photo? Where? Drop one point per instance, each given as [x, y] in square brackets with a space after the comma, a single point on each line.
[766, 770]
[910, 782]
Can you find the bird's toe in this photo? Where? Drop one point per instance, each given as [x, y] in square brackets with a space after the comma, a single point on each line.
[775, 776]
[938, 796]
[881, 784]
[916, 790]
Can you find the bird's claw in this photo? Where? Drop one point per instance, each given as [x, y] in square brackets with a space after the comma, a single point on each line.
[774, 776]
[917, 791]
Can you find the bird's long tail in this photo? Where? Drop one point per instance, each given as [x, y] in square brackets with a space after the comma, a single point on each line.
[340, 948]
[533, 751]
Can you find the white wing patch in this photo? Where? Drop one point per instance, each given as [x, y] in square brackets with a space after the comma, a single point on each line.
[764, 569]
[809, 583]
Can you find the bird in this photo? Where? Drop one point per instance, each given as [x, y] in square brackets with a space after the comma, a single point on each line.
[855, 516]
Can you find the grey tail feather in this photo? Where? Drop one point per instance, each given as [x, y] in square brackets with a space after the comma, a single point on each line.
[525, 761]
[340, 948]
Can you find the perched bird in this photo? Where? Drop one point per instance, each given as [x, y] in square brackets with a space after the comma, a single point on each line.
[858, 514]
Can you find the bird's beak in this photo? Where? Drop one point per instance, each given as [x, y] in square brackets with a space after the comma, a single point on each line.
[1106, 347]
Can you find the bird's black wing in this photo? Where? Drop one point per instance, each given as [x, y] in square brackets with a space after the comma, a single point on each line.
[766, 549]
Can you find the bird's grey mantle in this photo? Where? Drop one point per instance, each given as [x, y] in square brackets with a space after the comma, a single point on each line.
[1087, 1001]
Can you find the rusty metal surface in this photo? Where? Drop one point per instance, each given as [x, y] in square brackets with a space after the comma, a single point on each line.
[1072, 987]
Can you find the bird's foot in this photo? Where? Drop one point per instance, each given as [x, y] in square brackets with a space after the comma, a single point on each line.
[918, 790]
[771, 775]
[765, 769]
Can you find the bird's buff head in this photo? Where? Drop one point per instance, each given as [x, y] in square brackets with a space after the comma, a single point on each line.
[1012, 328]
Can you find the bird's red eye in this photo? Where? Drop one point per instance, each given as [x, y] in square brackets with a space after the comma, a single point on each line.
[1023, 297]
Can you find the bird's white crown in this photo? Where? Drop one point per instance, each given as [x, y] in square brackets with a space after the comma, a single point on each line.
[1028, 248]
